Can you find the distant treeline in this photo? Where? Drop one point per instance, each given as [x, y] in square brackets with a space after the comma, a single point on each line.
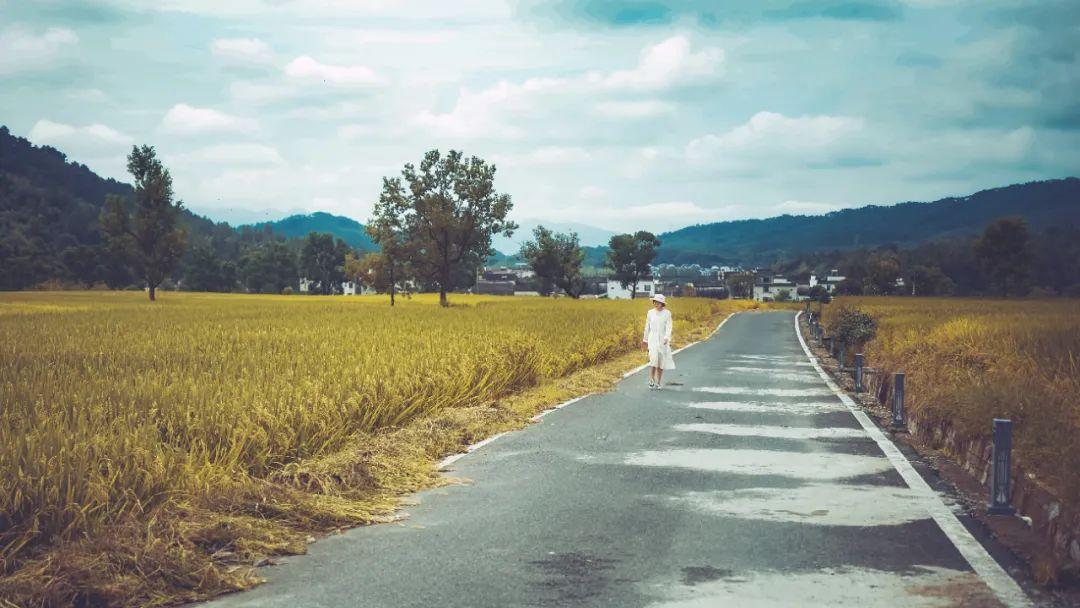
[1006, 259]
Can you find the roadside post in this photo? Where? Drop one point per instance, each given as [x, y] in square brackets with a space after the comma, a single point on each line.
[843, 348]
[898, 423]
[858, 372]
[828, 344]
[1002, 459]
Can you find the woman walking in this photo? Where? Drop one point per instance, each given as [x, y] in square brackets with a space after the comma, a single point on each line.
[657, 340]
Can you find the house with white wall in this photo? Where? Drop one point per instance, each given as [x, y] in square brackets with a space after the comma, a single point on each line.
[645, 289]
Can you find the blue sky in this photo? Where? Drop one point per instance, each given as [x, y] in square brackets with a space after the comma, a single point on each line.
[622, 115]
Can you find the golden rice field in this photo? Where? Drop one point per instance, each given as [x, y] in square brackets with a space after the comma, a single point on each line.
[123, 422]
[968, 361]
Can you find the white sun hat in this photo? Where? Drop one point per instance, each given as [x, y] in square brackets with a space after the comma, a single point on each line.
[659, 298]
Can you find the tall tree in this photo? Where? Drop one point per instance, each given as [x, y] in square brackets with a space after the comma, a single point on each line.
[448, 211]
[1005, 256]
[390, 266]
[323, 259]
[629, 257]
[269, 267]
[147, 238]
[556, 258]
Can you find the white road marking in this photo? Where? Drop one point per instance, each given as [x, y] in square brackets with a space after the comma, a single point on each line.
[800, 465]
[995, 577]
[774, 373]
[770, 392]
[778, 432]
[921, 587]
[783, 407]
[815, 503]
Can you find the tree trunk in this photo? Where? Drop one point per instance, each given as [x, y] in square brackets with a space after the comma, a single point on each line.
[443, 280]
[153, 288]
[393, 285]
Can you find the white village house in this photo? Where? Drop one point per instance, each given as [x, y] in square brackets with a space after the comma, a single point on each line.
[645, 289]
[348, 288]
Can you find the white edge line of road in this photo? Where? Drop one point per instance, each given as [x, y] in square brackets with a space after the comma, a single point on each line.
[1004, 587]
[445, 462]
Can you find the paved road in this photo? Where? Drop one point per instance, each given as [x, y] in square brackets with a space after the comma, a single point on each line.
[745, 482]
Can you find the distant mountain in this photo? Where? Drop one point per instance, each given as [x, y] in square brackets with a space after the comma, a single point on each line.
[240, 216]
[758, 242]
[589, 236]
[346, 229]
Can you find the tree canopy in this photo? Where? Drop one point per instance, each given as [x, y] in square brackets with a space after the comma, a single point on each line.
[447, 210]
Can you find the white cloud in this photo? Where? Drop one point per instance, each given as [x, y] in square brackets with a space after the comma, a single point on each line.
[88, 95]
[772, 138]
[183, 119]
[499, 111]
[233, 154]
[649, 108]
[656, 217]
[309, 70]
[355, 132]
[244, 50]
[666, 64]
[547, 156]
[804, 207]
[22, 50]
[69, 138]
[592, 193]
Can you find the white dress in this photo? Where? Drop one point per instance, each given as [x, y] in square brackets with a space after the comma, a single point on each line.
[657, 330]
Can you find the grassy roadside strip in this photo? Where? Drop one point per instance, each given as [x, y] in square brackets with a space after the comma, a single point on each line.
[208, 544]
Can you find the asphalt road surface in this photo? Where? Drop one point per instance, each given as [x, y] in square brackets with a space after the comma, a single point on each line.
[745, 482]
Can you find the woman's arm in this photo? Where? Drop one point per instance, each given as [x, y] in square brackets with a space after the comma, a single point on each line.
[667, 328]
[648, 318]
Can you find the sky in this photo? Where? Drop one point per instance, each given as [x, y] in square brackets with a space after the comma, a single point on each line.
[621, 115]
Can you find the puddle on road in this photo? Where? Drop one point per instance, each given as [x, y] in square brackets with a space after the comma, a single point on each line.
[814, 466]
[769, 392]
[820, 504]
[772, 407]
[779, 432]
[920, 587]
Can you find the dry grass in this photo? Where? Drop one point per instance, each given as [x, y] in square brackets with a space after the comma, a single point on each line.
[150, 452]
[968, 361]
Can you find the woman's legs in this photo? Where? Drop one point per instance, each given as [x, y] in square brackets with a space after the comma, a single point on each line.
[659, 375]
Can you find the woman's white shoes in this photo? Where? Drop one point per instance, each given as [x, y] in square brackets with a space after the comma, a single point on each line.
[654, 386]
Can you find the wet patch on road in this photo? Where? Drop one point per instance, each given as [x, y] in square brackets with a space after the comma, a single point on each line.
[574, 578]
[694, 575]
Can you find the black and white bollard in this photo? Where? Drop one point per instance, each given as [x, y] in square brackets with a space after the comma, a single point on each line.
[858, 372]
[1002, 461]
[898, 422]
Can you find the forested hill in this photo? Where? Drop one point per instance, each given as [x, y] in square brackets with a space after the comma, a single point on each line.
[299, 226]
[49, 210]
[758, 242]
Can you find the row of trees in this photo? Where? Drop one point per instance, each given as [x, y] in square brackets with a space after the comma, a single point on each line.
[557, 260]
[143, 234]
[1005, 260]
